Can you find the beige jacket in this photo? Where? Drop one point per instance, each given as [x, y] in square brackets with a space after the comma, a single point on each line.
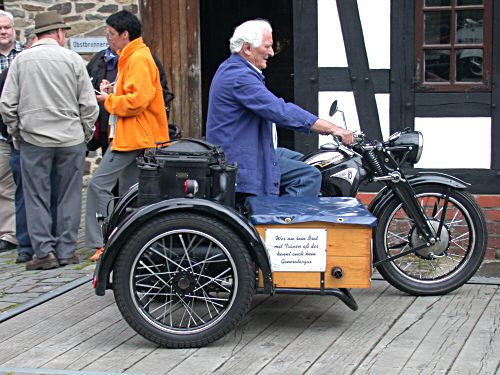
[48, 99]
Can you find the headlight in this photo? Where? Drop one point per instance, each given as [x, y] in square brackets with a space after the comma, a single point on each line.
[412, 141]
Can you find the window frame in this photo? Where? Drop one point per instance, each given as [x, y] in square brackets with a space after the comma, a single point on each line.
[452, 86]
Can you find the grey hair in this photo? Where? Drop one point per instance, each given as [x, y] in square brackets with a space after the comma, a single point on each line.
[8, 15]
[248, 32]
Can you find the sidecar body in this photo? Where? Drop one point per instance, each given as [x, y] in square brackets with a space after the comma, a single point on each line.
[184, 264]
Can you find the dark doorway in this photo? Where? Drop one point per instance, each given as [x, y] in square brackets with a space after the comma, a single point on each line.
[217, 22]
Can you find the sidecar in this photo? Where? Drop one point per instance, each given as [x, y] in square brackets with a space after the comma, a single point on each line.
[184, 264]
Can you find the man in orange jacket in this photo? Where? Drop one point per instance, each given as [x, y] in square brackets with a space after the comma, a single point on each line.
[137, 119]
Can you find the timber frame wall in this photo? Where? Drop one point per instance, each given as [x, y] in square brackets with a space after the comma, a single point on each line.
[172, 30]
[405, 103]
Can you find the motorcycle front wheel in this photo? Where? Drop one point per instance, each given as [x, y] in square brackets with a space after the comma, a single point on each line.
[183, 280]
[444, 266]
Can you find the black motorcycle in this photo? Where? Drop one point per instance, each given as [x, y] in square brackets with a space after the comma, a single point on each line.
[431, 233]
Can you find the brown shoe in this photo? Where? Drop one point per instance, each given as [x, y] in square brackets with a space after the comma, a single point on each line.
[66, 261]
[50, 261]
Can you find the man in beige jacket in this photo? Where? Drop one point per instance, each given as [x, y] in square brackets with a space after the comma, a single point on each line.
[49, 107]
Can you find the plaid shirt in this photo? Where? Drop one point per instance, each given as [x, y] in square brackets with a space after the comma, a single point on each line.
[5, 61]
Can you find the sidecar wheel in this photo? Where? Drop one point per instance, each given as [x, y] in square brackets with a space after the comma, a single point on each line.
[183, 280]
[444, 266]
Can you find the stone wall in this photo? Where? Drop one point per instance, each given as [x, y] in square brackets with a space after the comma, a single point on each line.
[86, 17]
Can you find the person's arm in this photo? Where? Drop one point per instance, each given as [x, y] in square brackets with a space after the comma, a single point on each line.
[137, 92]
[3, 127]
[9, 103]
[254, 95]
[325, 127]
[88, 108]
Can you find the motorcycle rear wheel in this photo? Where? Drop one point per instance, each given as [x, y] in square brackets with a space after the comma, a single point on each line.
[183, 280]
[446, 265]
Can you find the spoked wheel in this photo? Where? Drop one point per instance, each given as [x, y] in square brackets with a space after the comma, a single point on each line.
[183, 280]
[447, 264]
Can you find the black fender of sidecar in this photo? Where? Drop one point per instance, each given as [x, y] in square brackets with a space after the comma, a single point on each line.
[418, 179]
[142, 215]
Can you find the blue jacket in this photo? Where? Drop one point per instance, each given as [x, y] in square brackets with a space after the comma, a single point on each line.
[241, 111]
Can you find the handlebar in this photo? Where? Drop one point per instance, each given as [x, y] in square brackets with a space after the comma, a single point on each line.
[357, 137]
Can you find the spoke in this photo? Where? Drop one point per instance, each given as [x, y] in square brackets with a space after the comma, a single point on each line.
[435, 208]
[186, 250]
[464, 237]
[215, 280]
[190, 311]
[152, 273]
[169, 302]
[169, 260]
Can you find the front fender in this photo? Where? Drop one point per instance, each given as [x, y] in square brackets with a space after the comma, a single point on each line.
[421, 178]
[225, 214]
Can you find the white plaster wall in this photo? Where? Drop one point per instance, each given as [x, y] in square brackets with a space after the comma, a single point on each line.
[455, 142]
[375, 21]
[345, 100]
[331, 51]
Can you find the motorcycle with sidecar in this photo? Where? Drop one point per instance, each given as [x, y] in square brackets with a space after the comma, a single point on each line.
[184, 263]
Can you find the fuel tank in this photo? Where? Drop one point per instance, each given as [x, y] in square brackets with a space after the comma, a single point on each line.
[342, 174]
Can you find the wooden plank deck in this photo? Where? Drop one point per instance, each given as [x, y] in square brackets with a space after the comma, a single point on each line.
[391, 333]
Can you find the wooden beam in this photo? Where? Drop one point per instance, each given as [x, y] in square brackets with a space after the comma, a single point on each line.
[305, 35]
[495, 95]
[357, 59]
[402, 106]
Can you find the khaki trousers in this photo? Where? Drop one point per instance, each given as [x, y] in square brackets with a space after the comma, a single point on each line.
[7, 191]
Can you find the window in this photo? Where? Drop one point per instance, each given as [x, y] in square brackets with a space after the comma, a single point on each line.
[453, 45]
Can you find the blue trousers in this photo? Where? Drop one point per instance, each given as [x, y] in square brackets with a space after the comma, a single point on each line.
[297, 177]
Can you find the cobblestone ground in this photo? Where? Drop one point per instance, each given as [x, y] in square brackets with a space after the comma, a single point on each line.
[18, 286]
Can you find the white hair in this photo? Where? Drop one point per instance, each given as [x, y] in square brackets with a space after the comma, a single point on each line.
[9, 15]
[248, 32]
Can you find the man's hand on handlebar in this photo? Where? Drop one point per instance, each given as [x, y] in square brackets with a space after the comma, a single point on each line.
[327, 128]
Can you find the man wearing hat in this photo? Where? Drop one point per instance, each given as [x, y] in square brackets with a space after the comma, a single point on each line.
[49, 107]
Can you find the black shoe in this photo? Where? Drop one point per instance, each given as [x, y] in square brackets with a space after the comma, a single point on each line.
[50, 261]
[6, 246]
[23, 258]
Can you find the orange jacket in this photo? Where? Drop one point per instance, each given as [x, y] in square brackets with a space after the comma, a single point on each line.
[137, 101]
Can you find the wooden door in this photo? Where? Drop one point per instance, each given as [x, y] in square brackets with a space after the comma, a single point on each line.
[171, 29]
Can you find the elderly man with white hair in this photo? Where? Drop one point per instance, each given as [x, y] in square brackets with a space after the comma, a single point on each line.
[243, 113]
[9, 49]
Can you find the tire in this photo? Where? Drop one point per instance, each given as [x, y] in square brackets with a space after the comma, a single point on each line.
[444, 266]
[183, 280]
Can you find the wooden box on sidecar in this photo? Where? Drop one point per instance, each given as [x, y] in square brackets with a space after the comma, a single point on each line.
[315, 243]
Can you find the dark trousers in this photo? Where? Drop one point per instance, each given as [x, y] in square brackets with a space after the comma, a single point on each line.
[37, 166]
[23, 238]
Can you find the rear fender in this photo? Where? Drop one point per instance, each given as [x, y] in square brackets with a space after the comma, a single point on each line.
[229, 216]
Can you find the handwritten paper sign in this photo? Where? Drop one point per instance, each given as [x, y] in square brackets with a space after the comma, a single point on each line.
[297, 250]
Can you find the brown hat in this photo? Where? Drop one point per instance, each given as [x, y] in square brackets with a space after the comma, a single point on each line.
[48, 21]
